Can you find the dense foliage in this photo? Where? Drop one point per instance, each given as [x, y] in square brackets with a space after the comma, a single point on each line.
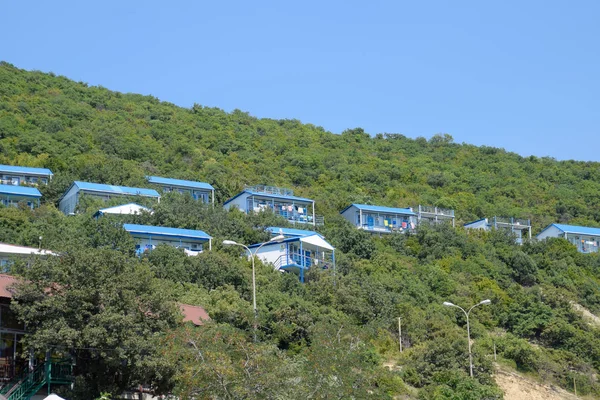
[330, 337]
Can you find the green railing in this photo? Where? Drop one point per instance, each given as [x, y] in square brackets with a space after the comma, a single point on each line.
[50, 372]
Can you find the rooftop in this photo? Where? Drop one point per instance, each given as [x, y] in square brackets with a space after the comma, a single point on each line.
[25, 170]
[275, 230]
[20, 190]
[583, 230]
[194, 314]
[12, 249]
[271, 192]
[381, 209]
[164, 231]
[6, 281]
[179, 182]
[124, 209]
[124, 190]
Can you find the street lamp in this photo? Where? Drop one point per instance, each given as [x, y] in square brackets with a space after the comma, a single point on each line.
[481, 303]
[275, 239]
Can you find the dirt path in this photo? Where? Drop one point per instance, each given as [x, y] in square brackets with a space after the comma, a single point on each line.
[518, 387]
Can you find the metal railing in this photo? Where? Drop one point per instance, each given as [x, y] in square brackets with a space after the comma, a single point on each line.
[270, 190]
[288, 260]
[513, 222]
[440, 212]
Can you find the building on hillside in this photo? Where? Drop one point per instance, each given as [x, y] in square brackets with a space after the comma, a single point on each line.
[69, 200]
[291, 232]
[297, 254]
[124, 209]
[379, 219]
[586, 239]
[9, 253]
[296, 210]
[11, 196]
[521, 228]
[198, 190]
[148, 237]
[194, 314]
[14, 175]
[434, 215]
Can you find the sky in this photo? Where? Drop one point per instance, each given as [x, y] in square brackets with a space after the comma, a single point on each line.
[522, 75]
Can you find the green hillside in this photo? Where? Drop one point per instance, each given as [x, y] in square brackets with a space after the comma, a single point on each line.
[330, 337]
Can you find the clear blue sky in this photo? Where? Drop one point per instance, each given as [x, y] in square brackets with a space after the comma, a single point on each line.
[523, 75]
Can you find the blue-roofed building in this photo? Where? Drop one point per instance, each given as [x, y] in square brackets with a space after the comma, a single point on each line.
[15, 175]
[297, 254]
[379, 219]
[148, 237]
[519, 227]
[11, 196]
[198, 190]
[69, 200]
[296, 210]
[586, 239]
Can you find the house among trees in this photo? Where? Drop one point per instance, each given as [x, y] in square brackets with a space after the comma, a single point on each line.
[514, 225]
[198, 190]
[14, 175]
[379, 219]
[586, 239]
[148, 237]
[11, 196]
[434, 215]
[296, 210]
[9, 253]
[298, 252]
[69, 200]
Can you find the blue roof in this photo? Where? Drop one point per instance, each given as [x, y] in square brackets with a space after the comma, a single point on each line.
[179, 182]
[100, 187]
[20, 190]
[391, 210]
[269, 195]
[25, 170]
[582, 230]
[292, 232]
[164, 231]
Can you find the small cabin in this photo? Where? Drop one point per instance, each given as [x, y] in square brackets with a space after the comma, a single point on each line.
[147, 237]
[297, 253]
[200, 191]
[380, 219]
[519, 227]
[69, 201]
[14, 175]
[9, 253]
[296, 210]
[586, 239]
[11, 196]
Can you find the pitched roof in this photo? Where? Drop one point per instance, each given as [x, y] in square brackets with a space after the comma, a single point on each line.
[164, 231]
[582, 230]
[314, 239]
[291, 232]
[270, 195]
[124, 209]
[20, 190]
[6, 281]
[194, 314]
[179, 182]
[124, 190]
[25, 170]
[391, 210]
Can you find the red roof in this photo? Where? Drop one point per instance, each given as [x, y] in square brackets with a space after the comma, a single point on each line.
[6, 281]
[195, 314]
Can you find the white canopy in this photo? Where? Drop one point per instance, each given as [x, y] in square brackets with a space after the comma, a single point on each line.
[318, 241]
[123, 209]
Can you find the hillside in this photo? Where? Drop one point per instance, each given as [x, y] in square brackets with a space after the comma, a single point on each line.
[329, 337]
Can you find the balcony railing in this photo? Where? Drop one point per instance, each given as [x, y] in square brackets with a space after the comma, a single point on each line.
[516, 222]
[295, 260]
[436, 211]
[270, 190]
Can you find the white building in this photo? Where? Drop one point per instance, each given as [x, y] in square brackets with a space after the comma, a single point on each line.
[586, 239]
[9, 253]
[69, 200]
[519, 227]
[297, 253]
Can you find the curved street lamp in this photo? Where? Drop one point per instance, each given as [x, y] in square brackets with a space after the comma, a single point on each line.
[276, 239]
[481, 303]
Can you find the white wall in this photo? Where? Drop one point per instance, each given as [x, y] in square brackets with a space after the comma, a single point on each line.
[350, 215]
[69, 201]
[550, 232]
[239, 202]
[270, 253]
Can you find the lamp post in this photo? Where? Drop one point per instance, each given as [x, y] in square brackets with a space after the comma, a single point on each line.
[275, 239]
[484, 302]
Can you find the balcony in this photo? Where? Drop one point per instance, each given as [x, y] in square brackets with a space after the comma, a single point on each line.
[270, 190]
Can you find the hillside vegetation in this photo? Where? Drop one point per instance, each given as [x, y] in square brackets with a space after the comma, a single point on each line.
[330, 337]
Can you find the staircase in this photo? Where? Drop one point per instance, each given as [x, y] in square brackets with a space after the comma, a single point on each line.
[48, 373]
